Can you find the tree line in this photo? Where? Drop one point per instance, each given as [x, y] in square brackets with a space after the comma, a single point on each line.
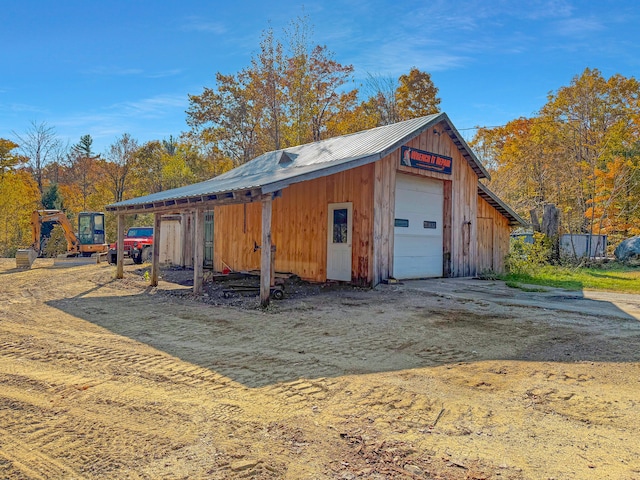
[292, 92]
[580, 151]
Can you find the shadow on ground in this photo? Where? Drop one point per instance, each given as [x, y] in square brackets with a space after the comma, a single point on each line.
[418, 324]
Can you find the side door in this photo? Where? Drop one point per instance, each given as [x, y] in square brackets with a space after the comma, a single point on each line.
[340, 226]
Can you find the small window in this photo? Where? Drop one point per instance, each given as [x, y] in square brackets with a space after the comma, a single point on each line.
[401, 222]
[340, 225]
[428, 224]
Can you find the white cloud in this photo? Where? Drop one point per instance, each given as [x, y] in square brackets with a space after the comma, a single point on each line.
[145, 118]
[578, 27]
[113, 71]
[199, 24]
[153, 107]
[166, 73]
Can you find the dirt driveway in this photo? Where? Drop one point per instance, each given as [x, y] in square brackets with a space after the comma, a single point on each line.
[453, 379]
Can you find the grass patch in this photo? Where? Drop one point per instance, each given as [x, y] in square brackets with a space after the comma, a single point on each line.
[613, 278]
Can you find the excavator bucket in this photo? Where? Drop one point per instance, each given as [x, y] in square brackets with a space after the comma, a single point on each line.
[76, 260]
[25, 257]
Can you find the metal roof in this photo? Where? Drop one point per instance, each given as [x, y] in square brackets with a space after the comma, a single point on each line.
[493, 200]
[278, 169]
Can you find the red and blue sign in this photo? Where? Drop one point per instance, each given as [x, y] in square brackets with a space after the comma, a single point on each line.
[412, 157]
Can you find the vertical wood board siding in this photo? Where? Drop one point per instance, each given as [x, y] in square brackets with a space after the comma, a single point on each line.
[299, 227]
[299, 224]
[493, 239]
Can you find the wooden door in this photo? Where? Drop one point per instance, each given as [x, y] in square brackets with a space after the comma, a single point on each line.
[485, 244]
[340, 226]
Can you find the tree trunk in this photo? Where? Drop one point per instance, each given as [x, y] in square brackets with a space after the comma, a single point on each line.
[550, 222]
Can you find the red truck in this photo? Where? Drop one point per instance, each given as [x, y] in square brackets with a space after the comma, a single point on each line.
[138, 245]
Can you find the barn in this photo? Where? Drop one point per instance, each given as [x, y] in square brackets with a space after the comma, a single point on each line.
[398, 201]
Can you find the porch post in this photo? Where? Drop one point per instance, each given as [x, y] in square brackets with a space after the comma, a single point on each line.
[265, 252]
[198, 253]
[155, 262]
[120, 248]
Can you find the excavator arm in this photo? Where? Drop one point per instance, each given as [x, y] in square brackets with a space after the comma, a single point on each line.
[25, 257]
[41, 216]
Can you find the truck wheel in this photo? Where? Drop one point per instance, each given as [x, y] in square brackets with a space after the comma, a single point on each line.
[147, 253]
[113, 258]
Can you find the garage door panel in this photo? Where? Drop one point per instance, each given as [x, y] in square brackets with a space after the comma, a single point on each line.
[418, 250]
[418, 267]
[417, 227]
[420, 245]
[414, 201]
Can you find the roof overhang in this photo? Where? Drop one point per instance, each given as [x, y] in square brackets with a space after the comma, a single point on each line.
[207, 201]
[493, 200]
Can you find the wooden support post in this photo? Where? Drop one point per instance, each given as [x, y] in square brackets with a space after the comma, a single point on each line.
[155, 259]
[198, 252]
[272, 279]
[120, 248]
[183, 237]
[265, 257]
[187, 239]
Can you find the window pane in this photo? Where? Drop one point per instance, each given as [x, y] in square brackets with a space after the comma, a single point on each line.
[340, 225]
[84, 229]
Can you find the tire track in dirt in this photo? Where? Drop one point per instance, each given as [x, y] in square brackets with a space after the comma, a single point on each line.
[117, 361]
[70, 419]
[22, 461]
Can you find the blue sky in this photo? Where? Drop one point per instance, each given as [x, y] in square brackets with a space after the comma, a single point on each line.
[108, 67]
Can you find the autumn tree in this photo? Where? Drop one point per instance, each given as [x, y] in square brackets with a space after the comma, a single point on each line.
[278, 101]
[266, 86]
[616, 203]
[382, 104]
[227, 118]
[592, 117]
[578, 152]
[118, 164]
[411, 95]
[521, 175]
[40, 145]
[416, 95]
[168, 164]
[82, 169]
[327, 78]
[314, 85]
[19, 196]
[9, 158]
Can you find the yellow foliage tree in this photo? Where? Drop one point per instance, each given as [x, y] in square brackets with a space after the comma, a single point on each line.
[579, 152]
[19, 197]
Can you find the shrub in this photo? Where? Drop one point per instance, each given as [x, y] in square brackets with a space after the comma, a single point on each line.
[56, 244]
[528, 258]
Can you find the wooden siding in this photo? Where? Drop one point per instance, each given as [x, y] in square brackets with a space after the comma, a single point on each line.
[493, 238]
[299, 227]
[384, 216]
[171, 240]
[299, 224]
[460, 203]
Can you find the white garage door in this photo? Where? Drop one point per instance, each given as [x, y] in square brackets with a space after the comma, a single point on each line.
[417, 244]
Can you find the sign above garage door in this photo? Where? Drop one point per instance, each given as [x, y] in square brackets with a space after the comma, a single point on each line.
[412, 157]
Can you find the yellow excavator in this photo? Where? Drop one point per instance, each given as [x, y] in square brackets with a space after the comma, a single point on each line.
[90, 240]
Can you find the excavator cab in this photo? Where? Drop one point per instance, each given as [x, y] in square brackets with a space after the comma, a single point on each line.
[91, 228]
